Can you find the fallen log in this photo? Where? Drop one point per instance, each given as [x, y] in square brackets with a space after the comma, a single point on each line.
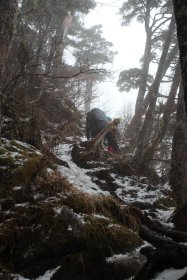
[158, 240]
[175, 235]
[167, 253]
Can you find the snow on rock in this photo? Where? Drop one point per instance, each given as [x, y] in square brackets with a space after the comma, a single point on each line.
[119, 257]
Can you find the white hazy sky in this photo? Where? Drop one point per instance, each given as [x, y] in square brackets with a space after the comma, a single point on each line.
[128, 42]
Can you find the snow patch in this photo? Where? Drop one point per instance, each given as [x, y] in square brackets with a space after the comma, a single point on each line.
[171, 274]
[77, 176]
[47, 276]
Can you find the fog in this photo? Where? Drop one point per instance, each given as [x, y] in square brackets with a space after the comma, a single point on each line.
[129, 42]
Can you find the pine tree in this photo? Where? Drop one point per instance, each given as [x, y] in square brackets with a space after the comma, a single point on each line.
[152, 14]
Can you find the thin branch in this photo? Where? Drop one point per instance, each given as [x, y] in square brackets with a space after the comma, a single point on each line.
[89, 71]
[157, 27]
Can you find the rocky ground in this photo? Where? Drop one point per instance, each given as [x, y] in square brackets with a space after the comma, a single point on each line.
[64, 220]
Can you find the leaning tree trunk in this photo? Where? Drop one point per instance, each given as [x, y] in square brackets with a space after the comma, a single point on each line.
[180, 9]
[134, 125]
[178, 176]
[166, 116]
[171, 56]
[8, 15]
[145, 132]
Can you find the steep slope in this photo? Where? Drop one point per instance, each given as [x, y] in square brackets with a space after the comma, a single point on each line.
[78, 223]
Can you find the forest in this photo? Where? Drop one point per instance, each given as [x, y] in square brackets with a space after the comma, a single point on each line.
[71, 208]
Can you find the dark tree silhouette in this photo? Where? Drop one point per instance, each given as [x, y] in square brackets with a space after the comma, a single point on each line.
[8, 15]
[180, 9]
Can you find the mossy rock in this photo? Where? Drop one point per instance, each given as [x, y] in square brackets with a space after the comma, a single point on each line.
[109, 238]
[19, 163]
[2, 151]
[26, 130]
[84, 266]
[38, 232]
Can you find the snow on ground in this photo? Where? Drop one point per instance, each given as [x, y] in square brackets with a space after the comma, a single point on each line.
[164, 217]
[136, 191]
[77, 176]
[121, 257]
[17, 151]
[171, 274]
[130, 189]
[47, 276]
[167, 274]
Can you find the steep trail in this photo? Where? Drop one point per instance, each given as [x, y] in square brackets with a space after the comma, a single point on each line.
[129, 190]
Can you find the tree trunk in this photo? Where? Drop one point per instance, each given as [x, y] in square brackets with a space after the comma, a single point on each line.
[58, 53]
[178, 176]
[166, 115]
[134, 126]
[8, 15]
[173, 53]
[180, 9]
[60, 38]
[145, 132]
[88, 95]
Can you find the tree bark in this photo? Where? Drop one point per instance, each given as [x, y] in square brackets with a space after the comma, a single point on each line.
[145, 132]
[166, 116]
[60, 38]
[178, 175]
[180, 10]
[8, 16]
[134, 126]
[168, 253]
[171, 56]
[88, 96]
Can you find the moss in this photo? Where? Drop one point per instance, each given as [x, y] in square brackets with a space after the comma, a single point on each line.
[20, 163]
[84, 203]
[108, 206]
[43, 214]
[85, 266]
[52, 185]
[165, 201]
[2, 151]
[7, 161]
[80, 203]
[110, 239]
[26, 173]
[19, 146]
[19, 234]
[12, 149]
